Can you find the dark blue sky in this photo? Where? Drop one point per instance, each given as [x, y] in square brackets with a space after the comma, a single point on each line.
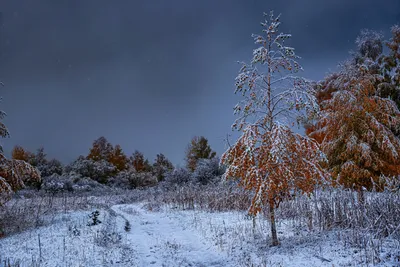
[150, 75]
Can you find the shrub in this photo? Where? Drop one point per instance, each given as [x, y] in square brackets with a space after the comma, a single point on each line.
[207, 171]
[51, 167]
[99, 171]
[68, 183]
[179, 176]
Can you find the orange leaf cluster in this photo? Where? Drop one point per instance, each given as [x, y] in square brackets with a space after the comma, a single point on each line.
[357, 128]
[13, 176]
[274, 164]
[20, 153]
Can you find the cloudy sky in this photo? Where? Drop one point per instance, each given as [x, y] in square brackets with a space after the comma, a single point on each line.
[151, 74]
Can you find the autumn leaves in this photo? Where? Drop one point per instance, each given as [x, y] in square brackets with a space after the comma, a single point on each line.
[352, 130]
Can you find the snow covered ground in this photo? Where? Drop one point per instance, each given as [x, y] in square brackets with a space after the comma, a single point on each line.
[164, 236]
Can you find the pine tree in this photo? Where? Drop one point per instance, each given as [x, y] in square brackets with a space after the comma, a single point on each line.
[269, 158]
[198, 148]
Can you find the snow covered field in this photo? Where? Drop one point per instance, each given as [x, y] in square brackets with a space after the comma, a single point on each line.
[144, 234]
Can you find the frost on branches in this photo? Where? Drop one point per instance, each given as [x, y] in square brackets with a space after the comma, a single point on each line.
[269, 158]
[357, 129]
[14, 174]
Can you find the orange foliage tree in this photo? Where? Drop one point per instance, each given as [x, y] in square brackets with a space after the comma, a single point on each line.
[118, 158]
[139, 163]
[101, 150]
[357, 128]
[269, 158]
[14, 174]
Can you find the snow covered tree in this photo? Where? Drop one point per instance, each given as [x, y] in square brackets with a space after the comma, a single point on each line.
[161, 166]
[198, 148]
[139, 162]
[13, 173]
[357, 128]
[118, 158]
[369, 46]
[389, 87]
[101, 150]
[269, 158]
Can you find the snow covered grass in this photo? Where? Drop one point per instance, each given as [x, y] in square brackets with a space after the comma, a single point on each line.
[69, 241]
[168, 229]
[248, 243]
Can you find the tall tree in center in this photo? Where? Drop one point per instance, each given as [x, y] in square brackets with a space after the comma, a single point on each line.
[269, 158]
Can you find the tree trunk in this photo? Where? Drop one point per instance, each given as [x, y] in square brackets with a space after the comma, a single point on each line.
[274, 236]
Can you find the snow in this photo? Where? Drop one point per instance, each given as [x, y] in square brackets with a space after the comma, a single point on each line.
[165, 236]
[166, 239]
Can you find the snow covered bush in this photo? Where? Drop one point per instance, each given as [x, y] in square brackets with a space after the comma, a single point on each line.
[68, 183]
[178, 177]
[51, 167]
[143, 179]
[122, 179]
[14, 175]
[107, 239]
[56, 183]
[99, 171]
[207, 171]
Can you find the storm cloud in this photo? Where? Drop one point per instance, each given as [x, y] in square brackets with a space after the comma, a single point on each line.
[150, 75]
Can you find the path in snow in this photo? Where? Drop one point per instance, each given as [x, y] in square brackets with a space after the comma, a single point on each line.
[160, 240]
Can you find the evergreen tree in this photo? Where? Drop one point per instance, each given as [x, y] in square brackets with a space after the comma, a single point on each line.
[198, 148]
[161, 166]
